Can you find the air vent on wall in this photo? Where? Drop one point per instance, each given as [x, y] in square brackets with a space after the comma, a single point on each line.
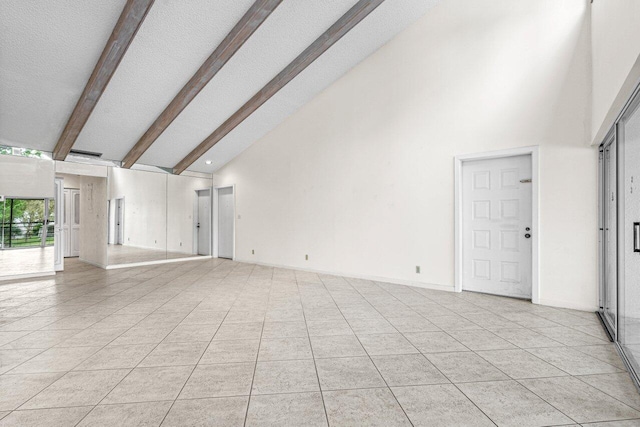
[86, 153]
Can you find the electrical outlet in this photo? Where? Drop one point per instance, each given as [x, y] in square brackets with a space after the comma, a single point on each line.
[253, 252]
[306, 257]
[417, 269]
[180, 243]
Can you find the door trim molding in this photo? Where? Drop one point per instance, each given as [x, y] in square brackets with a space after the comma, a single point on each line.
[215, 219]
[533, 151]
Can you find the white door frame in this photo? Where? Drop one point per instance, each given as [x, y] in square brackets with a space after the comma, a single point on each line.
[535, 217]
[58, 240]
[196, 218]
[215, 219]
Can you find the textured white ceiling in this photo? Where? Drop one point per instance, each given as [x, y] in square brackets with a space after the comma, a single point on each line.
[46, 57]
[48, 50]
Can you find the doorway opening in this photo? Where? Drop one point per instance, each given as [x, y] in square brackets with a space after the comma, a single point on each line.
[224, 222]
[71, 222]
[203, 223]
[116, 221]
[496, 223]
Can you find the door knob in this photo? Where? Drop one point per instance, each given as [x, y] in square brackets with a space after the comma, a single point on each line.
[527, 235]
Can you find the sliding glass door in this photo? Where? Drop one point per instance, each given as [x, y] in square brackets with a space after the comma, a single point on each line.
[620, 234]
[628, 130]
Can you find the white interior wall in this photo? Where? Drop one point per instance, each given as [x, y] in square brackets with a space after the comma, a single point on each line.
[181, 207]
[93, 220]
[26, 177]
[616, 60]
[145, 206]
[362, 177]
[70, 181]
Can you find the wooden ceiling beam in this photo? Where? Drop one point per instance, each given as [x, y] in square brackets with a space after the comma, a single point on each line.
[342, 26]
[249, 23]
[123, 33]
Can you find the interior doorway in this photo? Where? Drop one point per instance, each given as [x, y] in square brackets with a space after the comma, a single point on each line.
[71, 222]
[496, 223]
[203, 222]
[224, 222]
[116, 221]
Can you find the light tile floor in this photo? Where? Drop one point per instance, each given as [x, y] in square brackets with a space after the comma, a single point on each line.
[219, 343]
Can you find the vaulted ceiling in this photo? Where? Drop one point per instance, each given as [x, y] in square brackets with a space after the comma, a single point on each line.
[49, 49]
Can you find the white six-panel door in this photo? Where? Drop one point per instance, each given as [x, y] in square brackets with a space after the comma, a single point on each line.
[497, 226]
[71, 224]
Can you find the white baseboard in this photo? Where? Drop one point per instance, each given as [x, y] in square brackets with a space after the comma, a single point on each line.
[424, 285]
[568, 304]
[27, 276]
[95, 264]
[160, 261]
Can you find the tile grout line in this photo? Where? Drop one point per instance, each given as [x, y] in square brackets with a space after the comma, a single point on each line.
[255, 366]
[315, 365]
[156, 346]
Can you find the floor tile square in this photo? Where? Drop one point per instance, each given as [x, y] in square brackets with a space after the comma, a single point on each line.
[440, 405]
[320, 328]
[367, 407]
[150, 384]
[286, 376]
[434, 342]
[619, 386]
[231, 351]
[408, 369]
[336, 346]
[287, 410]
[572, 361]
[362, 326]
[348, 373]
[381, 344]
[92, 337]
[77, 389]
[526, 338]
[284, 330]
[127, 415]
[579, 400]
[116, 357]
[465, 367]
[224, 379]
[175, 354]
[239, 331]
[56, 360]
[508, 403]
[481, 340]
[17, 389]
[605, 353]
[519, 364]
[412, 324]
[40, 339]
[222, 411]
[139, 335]
[192, 333]
[58, 417]
[284, 349]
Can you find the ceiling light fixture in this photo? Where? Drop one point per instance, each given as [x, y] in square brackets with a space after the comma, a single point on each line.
[208, 162]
